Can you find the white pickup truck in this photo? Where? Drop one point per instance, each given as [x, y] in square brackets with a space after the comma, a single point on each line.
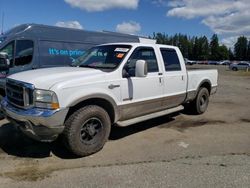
[112, 84]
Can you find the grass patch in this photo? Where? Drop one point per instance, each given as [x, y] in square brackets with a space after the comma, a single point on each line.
[243, 73]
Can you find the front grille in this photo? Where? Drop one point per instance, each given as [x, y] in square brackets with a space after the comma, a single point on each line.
[19, 94]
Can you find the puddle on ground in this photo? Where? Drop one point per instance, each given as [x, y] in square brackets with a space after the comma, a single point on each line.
[27, 171]
[245, 120]
[182, 125]
[30, 173]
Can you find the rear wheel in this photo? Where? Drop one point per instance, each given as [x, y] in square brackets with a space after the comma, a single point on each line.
[200, 103]
[87, 130]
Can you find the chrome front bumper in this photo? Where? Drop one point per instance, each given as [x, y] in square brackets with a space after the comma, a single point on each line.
[40, 124]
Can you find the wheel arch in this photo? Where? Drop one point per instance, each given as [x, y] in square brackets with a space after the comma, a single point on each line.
[102, 100]
[205, 83]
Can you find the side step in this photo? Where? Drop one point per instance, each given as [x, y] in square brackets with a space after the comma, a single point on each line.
[149, 116]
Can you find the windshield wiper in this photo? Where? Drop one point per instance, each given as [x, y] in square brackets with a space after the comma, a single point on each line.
[100, 67]
[88, 66]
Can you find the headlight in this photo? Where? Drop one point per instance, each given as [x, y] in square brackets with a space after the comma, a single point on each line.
[45, 99]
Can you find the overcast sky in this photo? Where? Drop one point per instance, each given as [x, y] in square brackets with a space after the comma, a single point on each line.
[228, 18]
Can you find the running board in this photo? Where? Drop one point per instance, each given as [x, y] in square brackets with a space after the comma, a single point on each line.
[149, 116]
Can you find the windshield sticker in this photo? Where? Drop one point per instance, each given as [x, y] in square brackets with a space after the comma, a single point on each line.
[120, 55]
[121, 50]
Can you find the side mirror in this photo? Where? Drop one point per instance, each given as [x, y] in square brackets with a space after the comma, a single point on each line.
[4, 62]
[141, 68]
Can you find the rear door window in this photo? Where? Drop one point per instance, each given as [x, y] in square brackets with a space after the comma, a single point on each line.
[171, 60]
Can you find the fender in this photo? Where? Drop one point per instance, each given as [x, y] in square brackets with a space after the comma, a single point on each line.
[191, 95]
[99, 96]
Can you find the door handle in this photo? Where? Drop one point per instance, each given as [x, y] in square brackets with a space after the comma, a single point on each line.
[160, 80]
[112, 86]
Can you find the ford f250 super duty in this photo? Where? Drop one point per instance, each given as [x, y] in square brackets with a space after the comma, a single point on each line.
[112, 84]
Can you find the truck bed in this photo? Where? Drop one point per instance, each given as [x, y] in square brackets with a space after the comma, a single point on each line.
[195, 78]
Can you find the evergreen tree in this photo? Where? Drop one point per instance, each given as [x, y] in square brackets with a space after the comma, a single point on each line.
[248, 51]
[161, 38]
[214, 48]
[203, 48]
[183, 45]
[230, 54]
[190, 48]
[197, 48]
[240, 48]
[223, 53]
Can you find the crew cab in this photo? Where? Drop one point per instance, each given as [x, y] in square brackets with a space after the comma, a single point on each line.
[116, 84]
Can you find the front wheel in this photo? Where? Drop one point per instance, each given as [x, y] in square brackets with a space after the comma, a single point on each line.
[200, 103]
[87, 130]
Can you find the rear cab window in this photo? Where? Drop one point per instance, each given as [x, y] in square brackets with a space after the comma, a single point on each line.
[170, 59]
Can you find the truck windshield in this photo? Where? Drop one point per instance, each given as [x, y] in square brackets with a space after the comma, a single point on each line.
[103, 57]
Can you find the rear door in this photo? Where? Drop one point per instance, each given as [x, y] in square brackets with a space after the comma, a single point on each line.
[175, 78]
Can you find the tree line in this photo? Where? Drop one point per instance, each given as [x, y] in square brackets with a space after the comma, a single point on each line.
[200, 48]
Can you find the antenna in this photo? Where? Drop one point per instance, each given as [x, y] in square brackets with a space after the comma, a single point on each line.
[2, 23]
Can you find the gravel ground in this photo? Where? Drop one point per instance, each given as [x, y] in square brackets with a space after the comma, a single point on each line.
[210, 150]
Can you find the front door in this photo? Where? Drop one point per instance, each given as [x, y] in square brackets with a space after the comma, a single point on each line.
[141, 96]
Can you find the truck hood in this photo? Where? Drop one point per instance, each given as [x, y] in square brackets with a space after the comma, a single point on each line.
[48, 77]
